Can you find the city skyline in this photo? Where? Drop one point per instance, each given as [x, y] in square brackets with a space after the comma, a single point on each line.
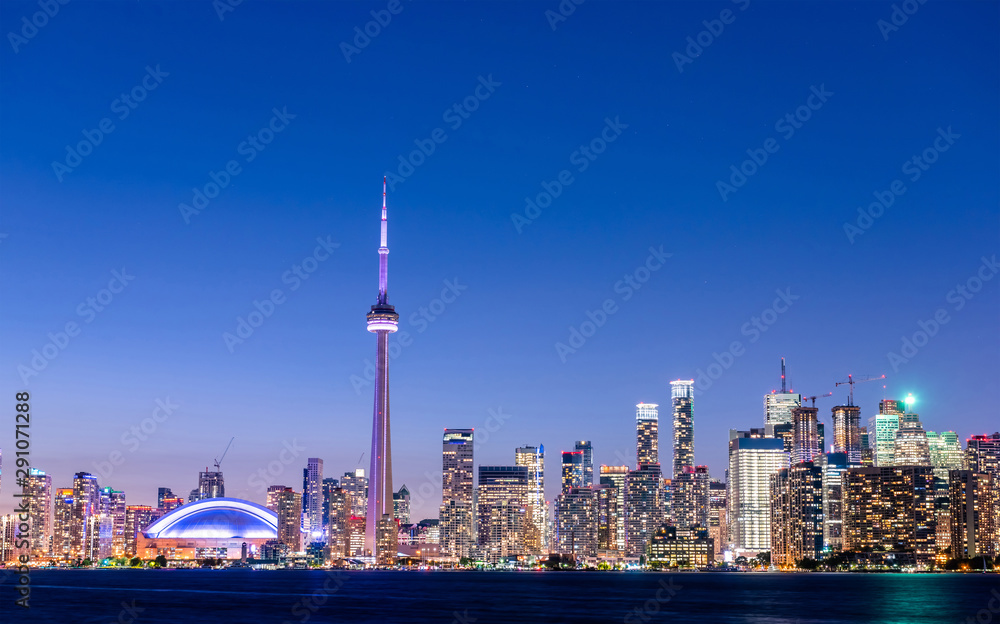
[486, 303]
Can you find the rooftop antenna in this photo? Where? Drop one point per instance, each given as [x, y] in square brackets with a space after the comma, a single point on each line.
[783, 391]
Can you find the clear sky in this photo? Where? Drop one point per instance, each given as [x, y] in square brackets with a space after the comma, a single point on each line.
[615, 125]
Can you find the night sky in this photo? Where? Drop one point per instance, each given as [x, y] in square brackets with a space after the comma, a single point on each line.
[574, 169]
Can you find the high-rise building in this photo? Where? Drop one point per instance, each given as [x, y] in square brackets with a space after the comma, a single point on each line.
[608, 515]
[912, 448]
[689, 497]
[356, 483]
[11, 546]
[805, 434]
[338, 516]
[682, 400]
[62, 524]
[680, 548]
[576, 521]
[211, 484]
[717, 530]
[162, 493]
[503, 527]
[312, 499]
[401, 505]
[945, 455]
[796, 514]
[982, 453]
[137, 518]
[892, 509]
[329, 484]
[867, 450]
[585, 447]
[753, 458]
[457, 524]
[288, 504]
[113, 506]
[834, 466]
[86, 508]
[778, 406]
[643, 507]
[847, 432]
[38, 499]
[382, 321]
[533, 457]
[572, 470]
[613, 478]
[647, 434]
[882, 430]
[973, 510]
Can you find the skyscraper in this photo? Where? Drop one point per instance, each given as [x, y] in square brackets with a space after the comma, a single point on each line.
[533, 457]
[576, 521]
[312, 499]
[753, 458]
[974, 532]
[644, 511]
[982, 454]
[585, 447]
[646, 434]
[86, 507]
[501, 508]
[62, 525]
[288, 506]
[682, 397]
[211, 484]
[382, 321]
[338, 514]
[796, 514]
[356, 484]
[717, 523]
[778, 406]
[572, 470]
[690, 496]
[113, 506]
[137, 518]
[847, 432]
[912, 448]
[614, 477]
[882, 430]
[162, 493]
[38, 498]
[457, 514]
[805, 434]
[329, 484]
[834, 466]
[945, 455]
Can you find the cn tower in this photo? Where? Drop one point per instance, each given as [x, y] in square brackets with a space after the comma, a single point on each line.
[382, 321]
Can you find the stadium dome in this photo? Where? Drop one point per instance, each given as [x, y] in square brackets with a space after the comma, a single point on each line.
[216, 518]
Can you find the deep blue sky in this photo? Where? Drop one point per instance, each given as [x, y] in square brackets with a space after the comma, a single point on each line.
[494, 346]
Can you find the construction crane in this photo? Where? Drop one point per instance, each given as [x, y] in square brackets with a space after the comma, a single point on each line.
[851, 381]
[218, 462]
[822, 396]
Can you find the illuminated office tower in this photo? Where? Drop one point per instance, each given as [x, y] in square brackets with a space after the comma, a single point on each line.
[62, 524]
[457, 514]
[211, 484]
[690, 496]
[113, 506]
[753, 458]
[533, 457]
[329, 484]
[572, 470]
[356, 483]
[608, 513]
[38, 498]
[912, 448]
[501, 508]
[137, 518]
[576, 521]
[312, 499]
[847, 432]
[805, 434]
[717, 530]
[643, 507]
[873, 501]
[796, 514]
[882, 430]
[867, 450]
[982, 453]
[401, 505]
[647, 433]
[834, 466]
[614, 477]
[288, 504]
[272, 496]
[945, 455]
[338, 516]
[86, 507]
[585, 447]
[356, 535]
[973, 510]
[380, 527]
[778, 406]
[682, 399]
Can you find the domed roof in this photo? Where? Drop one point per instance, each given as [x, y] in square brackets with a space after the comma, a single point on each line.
[216, 518]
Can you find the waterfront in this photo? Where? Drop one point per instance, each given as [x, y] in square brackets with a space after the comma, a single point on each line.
[162, 596]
